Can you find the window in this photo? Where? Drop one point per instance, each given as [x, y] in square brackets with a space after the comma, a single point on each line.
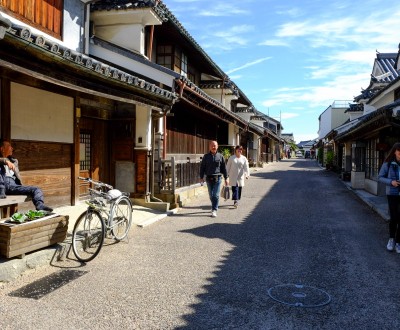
[184, 65]
[372, 160]
[46, 15]
[84, 152]
[164, 56]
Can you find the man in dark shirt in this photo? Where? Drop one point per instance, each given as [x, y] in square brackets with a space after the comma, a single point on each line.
[10, 179]
[212, 167]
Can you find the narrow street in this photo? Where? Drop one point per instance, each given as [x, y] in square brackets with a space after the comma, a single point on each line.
[300, 252]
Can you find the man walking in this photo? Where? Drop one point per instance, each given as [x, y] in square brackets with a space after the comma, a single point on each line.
[213, 167]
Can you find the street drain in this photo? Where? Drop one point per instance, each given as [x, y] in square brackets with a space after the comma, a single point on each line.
[46, 285]
[299, 295]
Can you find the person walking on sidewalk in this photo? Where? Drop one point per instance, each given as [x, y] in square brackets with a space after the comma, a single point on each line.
[238, 170]
[213, 167]
[389, 175]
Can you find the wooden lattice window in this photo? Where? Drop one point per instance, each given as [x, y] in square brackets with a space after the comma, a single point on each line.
[165, 55]
[85, 151]
[45, 15]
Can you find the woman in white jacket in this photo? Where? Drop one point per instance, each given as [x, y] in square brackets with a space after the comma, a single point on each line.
[238, 170]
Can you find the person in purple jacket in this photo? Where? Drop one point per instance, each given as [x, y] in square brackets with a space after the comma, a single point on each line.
[389, 175]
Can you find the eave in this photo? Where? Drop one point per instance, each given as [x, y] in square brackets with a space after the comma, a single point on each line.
[36, 56]
[193, 95]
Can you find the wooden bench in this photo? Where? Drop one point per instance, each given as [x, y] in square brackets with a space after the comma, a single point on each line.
[9, 205]
[18, 239]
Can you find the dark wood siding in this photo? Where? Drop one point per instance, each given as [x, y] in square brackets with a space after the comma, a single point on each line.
[48, 166]
[45, 15]
[191, 132]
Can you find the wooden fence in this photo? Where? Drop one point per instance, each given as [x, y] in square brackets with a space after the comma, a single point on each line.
[175, 175]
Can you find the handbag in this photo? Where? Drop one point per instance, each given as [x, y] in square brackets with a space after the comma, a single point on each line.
[225, 193]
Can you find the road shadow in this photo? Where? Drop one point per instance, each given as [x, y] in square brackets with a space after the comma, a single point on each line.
[296, 234]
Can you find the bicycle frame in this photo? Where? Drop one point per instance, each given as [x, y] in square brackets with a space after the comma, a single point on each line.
[104, 216]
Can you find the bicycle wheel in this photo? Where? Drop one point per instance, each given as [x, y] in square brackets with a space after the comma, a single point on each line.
[88, 235]
[121, 217]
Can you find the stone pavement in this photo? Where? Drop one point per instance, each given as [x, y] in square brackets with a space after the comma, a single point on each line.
[142, 216]
[377, 203]
[14, 267]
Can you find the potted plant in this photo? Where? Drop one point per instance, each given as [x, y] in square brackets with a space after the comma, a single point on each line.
[329, 159]
[226, 152]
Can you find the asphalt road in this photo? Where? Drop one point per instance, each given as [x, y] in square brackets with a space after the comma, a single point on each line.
[300, 252]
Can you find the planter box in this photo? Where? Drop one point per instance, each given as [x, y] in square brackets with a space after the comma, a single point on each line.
[18, 239]
[9, 205]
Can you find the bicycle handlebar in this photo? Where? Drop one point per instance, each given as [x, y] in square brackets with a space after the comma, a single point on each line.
[96, 183]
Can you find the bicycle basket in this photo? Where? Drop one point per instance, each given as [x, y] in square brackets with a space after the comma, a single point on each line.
[113, 194]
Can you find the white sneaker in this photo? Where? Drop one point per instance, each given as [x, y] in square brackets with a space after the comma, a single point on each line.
[214, 214]
[397, 247]
[390, 245]
[235, 204]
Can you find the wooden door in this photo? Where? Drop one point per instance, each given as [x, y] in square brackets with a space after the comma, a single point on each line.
[94, 156]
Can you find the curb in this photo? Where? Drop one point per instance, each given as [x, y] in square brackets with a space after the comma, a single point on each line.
[13, 268]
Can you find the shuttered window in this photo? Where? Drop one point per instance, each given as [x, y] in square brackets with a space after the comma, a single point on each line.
[45, 15]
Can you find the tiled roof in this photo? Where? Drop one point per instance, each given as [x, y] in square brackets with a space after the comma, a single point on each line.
[88, 63]
[386, 63]
[162, 11]
[121, 4]
[355, 107]
[218, 84]
[358, 123]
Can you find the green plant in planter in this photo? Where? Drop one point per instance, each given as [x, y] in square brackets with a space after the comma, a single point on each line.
[226, 152]
[329, 159]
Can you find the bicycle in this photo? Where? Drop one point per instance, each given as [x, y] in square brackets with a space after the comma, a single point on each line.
[109, 212]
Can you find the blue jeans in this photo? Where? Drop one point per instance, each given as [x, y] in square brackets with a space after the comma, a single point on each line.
[213, 185]
[33, 192]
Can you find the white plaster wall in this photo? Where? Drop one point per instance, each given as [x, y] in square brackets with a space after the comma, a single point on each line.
[135, 66]
[384, 99]
[339, 117]
[130, 37]
[228, 101]
[233, 135]
[38, 115]
[143, 127]
[368, 108]
[325, 123]
[215, 94]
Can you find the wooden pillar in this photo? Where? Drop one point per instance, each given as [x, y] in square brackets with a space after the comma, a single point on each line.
[141, 161]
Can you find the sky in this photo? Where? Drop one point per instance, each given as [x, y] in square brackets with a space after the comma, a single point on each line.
[293, 58]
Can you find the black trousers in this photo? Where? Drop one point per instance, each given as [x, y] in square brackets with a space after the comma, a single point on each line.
[394, 212]
[236, 193]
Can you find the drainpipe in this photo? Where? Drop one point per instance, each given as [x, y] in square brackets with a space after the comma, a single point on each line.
[86, 25]
[182, 86]
[222, 89]
[164, 154]
[150, 49]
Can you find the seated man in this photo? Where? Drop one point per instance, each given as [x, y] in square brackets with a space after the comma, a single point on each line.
[10, 179]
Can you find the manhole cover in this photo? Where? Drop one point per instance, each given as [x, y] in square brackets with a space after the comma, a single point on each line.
[299, 295]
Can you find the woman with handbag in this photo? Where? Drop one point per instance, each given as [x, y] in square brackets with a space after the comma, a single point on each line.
[389, 175]
[238, 170]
